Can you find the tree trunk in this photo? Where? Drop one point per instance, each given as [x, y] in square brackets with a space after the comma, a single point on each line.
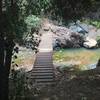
[6, 48]
[0, 7]
[2, 70]
[8, 56]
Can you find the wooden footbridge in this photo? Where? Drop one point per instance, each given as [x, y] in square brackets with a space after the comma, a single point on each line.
[43, 70]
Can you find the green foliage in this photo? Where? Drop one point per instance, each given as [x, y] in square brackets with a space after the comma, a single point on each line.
[38, 6]
[32, 22]
[23, 7]
[98, 38]
[19, 85]
[21, 28]
[13, 19]
[95, 23]
[19, 80]
[16, 21]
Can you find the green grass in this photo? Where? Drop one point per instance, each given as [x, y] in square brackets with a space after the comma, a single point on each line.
[85, 56]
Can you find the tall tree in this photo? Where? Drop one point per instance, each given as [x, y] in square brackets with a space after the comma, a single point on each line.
[12, 13]
[6, 48]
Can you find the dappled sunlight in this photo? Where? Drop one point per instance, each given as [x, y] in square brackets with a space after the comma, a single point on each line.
[25, 59]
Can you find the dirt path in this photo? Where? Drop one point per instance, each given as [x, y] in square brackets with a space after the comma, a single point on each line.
[46, 42]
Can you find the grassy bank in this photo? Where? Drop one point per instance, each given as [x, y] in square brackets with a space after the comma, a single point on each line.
[84, 57]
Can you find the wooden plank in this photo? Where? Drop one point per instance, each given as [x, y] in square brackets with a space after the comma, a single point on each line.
[44, 80]
[41, 77]
[46, 84]
[42, 71]
[42, 68]
[43, 64]
[44, 61]
[42, 74]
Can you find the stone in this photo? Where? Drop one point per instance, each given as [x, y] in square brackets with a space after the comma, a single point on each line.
[89, 43]
[46, 28]
[65, 38]
[79, 27]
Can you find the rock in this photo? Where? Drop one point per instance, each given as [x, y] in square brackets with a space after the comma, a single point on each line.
[65, 38]
[79, 27]
[92, 33]
[86, 29]
[91, 66]
[74, 36]
[89, 43]
[46, 28]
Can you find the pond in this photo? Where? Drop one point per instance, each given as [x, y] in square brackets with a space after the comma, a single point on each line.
[82, 58]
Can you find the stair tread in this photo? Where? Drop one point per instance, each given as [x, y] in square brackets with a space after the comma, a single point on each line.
[42, 74]
[42, 71]
[44, 80]
[43, 68]
[41, 77]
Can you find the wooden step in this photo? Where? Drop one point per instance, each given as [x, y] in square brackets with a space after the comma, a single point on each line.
[42, 74]
[44, 80]
[43, 64]
[43, 61]
[46, 84]
[42, 68]
[42, 71]
[41, 77]
[37, 69]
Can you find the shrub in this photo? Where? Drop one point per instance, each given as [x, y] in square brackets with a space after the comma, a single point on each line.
[95, 23]
[33, 22]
